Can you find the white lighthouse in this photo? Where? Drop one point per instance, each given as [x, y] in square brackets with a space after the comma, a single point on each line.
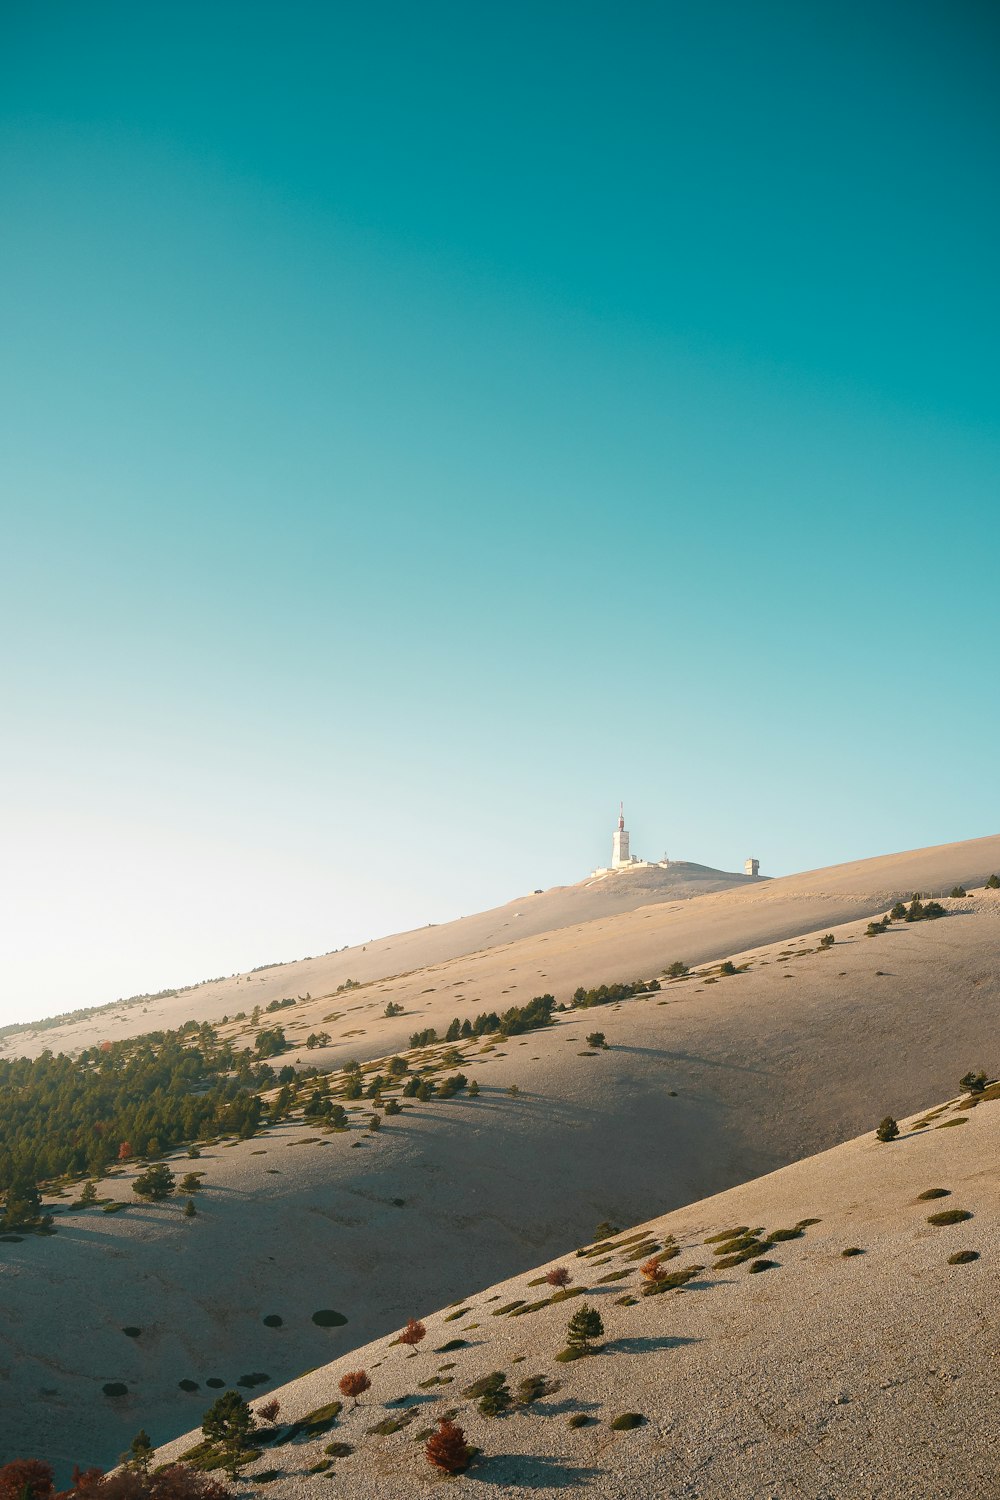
[619, 842]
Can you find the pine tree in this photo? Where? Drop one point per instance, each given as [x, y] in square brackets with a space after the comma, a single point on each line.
[584, 1326]
[230, 1423]
[888, 1130]
[156, 1183]
[140, 1453]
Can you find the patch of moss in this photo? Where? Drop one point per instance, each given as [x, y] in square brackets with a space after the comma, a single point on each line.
[450, 1317]
[508, 1307]
[933, 1193]
[567, 1356]
[949, 1216]
[785, 1234]
[389, 1425]
[313, 1424]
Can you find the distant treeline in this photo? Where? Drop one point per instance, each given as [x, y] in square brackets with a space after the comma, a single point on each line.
[66, 1017]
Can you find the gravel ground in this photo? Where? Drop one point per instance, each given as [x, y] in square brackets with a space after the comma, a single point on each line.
[870, 1376]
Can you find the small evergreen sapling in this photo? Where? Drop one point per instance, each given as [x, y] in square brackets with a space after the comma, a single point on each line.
[584, 1327]
[888, 1130]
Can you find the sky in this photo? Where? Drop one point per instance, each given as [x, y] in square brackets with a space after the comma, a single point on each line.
[424, 426]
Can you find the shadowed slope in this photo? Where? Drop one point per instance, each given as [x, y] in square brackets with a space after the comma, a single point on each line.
[830, 1374]
[708, 1083]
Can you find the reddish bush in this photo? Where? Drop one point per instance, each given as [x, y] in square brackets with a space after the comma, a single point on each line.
[558, 1277]
[413, 1332]
[653, 1269]
[26, 1479]
[124, 1151]
[353, 1384]
[269, 1411]
[447, 1449]
[174, 1483]
[31, 1479]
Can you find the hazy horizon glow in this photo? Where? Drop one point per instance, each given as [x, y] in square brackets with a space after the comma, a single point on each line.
[424, 428]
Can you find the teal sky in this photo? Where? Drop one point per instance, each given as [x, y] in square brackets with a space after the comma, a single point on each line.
[424, 425]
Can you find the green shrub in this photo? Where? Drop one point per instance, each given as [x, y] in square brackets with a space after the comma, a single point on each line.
[993, 884]
[338, 1450]
[898, 912]
[786, 1234]
[852, 1250]
[596, 1039]
[827, 940]
[728, 967]
[676, 970]
[580, 1419]
[933, 1193]
[949, 1216]
[626, 1420]
[963, 1257]
[888, 1130]
[958, 891]
[761, 1265]
[974, 1082]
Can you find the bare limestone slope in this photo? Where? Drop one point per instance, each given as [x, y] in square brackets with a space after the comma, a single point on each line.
[708, 1083]
[586, 934]
[866, 1374]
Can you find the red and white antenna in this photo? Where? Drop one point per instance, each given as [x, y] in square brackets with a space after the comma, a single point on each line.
[621, 817]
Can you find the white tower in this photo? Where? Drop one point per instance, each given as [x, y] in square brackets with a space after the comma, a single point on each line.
[752, 866]
[619, 842]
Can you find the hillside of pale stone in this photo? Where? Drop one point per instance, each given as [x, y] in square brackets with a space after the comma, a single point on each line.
[590, 933]
[707, 1083]
[823, 1331]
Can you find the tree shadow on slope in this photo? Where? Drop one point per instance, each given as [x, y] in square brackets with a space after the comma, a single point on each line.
[640, 1345]
[527, 1471]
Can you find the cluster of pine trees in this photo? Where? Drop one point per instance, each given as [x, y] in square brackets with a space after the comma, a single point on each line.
[63, 1116]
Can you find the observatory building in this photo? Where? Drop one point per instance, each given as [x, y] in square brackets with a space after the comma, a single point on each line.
[621, 859]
